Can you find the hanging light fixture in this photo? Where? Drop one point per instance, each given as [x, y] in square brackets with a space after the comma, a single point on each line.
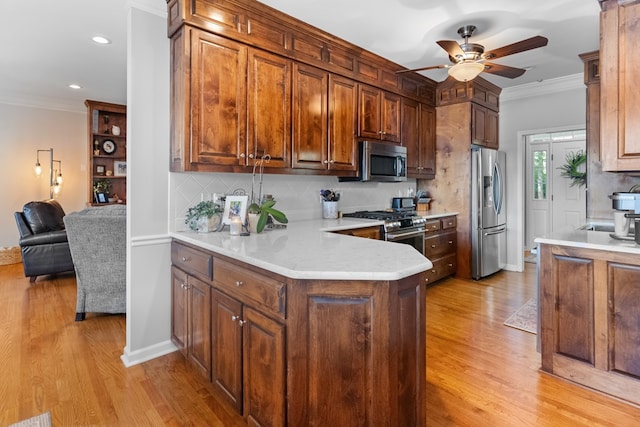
[465, 70]
[55, 176]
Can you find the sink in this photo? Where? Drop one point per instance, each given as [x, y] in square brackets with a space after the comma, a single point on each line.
[598, 226]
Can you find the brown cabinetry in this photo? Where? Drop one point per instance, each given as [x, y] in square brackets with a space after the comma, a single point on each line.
[484, 126]
[440, 246]
[107, 140]
[324, 125]
[419, 136]
[366, 232]
[619, 93]
[379, 116]
[589, 318]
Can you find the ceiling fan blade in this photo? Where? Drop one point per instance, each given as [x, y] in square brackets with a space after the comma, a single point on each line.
[432, 67]
[452, 47]
[503, 70]
[517, 47]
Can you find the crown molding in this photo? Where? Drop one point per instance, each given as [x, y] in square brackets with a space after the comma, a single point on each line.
[545, 87]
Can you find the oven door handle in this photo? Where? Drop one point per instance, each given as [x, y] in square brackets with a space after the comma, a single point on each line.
[396, 236]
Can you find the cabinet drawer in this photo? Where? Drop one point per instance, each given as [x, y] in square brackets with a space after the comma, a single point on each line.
[442, 267]
[192, 261]
[244, 284]
[432, 225]
[449, 222]
[440, 244]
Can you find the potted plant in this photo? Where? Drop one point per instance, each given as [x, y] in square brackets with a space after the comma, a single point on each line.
[259, 214]
[102, 186]
[204, 217]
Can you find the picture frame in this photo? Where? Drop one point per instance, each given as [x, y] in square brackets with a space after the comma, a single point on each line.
[235, 206]
[119, 168]
[100, 170]
[101, 198]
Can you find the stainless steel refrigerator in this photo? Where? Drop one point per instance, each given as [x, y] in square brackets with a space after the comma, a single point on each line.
[488, 213]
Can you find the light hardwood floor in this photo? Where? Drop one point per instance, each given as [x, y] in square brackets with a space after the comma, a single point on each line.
[479, 372]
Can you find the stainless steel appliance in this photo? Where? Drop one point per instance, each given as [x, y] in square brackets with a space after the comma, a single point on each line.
[381, 161]
[629, 202]
[488, 213]
[400, 226]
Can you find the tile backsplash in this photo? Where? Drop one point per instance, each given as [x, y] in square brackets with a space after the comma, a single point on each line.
[298, 196]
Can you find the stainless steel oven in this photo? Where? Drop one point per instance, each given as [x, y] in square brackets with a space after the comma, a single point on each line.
[411, 236]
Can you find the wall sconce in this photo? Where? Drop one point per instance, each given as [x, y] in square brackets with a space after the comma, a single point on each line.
[55, 175]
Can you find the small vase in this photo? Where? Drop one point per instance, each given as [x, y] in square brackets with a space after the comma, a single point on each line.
[253, 222]
[207, 225]
[329, 210]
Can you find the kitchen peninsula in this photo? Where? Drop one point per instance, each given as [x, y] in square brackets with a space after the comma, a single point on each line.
[589, 294]
[303, 326]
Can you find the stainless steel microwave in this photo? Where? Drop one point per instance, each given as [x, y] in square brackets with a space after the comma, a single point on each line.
[381, 161]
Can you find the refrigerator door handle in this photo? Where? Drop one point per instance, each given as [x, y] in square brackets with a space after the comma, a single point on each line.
[491, 233]
[497, 188]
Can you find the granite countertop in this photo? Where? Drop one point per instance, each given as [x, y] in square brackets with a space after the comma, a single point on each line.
[308, 250]
[588, 239]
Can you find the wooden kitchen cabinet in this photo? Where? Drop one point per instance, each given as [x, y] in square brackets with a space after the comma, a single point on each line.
[269, 105]
[619, 93]
[440, 246]
[366, 232]
[191, 319]
[379, 114]
[324, 125]
[419, 136]
[484, 126]
[589, 324]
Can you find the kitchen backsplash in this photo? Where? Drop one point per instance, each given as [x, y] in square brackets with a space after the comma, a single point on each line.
[298, 196]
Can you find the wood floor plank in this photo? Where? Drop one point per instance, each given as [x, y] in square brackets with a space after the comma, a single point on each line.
[479, 372]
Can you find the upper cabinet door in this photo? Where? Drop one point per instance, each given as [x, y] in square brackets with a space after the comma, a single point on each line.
[379, 114]
[619, 93]
[310, 117]
[217, 107]
[343, 113]
[269, 104]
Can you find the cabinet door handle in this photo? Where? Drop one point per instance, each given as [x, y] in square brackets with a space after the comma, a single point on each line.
[433, 246]
[251, 156]
[451, 242]
[326, 162]
[242, 155]
[239, 320]
[183, 286]
[332, 161]
[239, 283]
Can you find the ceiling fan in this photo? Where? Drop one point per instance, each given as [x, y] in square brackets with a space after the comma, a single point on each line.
[469, 59]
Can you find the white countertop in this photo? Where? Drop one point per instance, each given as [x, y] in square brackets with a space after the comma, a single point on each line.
[306, 250]
[600, 240]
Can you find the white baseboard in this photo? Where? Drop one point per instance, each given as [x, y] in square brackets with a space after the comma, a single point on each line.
[139, 356]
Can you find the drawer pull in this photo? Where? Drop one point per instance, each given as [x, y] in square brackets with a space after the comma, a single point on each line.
[184, 259]
[239, 283]
[451, 242]
[433, 246]
[433, 271]
[183, 286]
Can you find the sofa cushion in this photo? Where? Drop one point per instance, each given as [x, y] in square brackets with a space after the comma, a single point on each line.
[44, 216]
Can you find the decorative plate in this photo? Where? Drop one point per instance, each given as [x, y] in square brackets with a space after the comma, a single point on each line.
[108, 146]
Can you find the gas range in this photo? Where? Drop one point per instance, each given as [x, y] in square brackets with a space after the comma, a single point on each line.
[394, 220]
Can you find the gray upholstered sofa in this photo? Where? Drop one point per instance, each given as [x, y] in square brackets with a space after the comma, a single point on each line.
[97, 239]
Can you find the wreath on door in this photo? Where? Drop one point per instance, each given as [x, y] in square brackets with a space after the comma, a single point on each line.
[574, 169]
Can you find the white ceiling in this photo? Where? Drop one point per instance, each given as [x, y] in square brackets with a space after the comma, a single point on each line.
[47, 44]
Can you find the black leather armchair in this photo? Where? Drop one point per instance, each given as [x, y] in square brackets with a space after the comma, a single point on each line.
[43, 239]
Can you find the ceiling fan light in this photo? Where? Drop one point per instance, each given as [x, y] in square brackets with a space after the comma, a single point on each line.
[465, 71]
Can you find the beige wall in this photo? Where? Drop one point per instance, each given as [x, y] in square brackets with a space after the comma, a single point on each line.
[23, 130]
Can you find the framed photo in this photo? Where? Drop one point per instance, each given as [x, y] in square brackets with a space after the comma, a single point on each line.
[119, 168]
[101, 197]
[100, 170]
[235, 206]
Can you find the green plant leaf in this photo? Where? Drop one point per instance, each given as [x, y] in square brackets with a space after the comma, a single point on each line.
[262, 221]
[277, 215]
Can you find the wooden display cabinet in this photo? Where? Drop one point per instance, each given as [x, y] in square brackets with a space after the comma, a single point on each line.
[107, 150]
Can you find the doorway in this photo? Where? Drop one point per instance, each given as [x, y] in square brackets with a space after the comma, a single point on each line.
[553, 202]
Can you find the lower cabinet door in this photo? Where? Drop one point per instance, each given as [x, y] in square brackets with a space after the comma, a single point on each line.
[226, 347]
[264, 370]
[200, 326]
[179, 319]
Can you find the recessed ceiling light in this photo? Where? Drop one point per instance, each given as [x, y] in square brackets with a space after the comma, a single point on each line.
[75, 86]
[101, 40]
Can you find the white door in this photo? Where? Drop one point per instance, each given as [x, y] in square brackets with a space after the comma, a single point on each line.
[551, 202]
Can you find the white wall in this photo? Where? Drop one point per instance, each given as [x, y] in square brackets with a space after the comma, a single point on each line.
[23, 130]
[553, 104]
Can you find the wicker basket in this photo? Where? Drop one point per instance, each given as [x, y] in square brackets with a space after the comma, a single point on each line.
[10, 255]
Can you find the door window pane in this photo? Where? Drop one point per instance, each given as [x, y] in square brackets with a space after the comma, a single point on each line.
[540, 178]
